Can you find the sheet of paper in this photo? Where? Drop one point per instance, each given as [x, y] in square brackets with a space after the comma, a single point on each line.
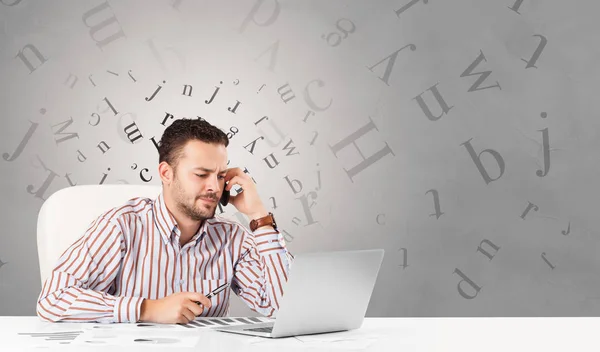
[167, 335]
[57, 335]
[229, 321]
[164, 338]
[359, 339]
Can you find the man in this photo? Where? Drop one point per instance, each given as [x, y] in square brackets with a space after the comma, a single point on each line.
[156, 260]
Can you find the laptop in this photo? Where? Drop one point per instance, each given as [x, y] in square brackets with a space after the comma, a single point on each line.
[325, 292]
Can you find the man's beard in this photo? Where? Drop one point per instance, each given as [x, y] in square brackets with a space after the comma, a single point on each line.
[189, 208]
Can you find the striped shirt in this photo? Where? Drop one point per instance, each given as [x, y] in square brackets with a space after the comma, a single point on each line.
[132, 252]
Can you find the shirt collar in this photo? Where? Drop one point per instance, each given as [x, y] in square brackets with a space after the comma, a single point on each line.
[167, 225]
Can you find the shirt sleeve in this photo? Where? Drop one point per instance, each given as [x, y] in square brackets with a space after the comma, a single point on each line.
[77, 289]
[262, 270]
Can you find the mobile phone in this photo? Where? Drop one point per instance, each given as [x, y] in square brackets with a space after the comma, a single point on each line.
[224, 197]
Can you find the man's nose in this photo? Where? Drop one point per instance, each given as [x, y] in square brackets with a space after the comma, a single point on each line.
[213, 185]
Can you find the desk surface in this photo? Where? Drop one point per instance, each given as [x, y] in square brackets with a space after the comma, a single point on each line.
[376, 334]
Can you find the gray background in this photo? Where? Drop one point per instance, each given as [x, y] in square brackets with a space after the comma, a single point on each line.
[483, 194]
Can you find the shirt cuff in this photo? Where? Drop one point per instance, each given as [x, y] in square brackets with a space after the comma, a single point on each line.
[127, 309]
[269, 241]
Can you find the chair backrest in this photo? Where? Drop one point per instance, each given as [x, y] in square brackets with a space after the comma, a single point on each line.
[67, 213]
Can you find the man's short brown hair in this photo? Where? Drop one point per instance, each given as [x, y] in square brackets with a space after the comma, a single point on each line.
[181, 131]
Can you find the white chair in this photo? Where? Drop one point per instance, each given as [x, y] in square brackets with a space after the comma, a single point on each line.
[67, 213]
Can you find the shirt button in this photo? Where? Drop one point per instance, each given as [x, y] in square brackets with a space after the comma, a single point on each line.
[182, 282]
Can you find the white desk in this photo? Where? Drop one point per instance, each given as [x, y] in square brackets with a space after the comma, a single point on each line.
[376, 334]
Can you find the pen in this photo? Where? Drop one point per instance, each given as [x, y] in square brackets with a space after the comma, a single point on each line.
[215, 291]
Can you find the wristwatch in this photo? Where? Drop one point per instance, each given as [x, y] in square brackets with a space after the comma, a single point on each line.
[269, 219]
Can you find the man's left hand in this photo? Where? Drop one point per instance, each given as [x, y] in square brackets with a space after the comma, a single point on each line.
[247, 202]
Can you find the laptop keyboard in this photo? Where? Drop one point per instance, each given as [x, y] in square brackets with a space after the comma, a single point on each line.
[268, 329]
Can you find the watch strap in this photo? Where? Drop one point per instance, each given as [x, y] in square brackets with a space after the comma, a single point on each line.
[269, 219]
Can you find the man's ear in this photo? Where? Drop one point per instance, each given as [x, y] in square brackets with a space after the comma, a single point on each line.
[165, 171]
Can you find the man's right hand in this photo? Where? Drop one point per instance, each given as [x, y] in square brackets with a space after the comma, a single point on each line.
[178, 308]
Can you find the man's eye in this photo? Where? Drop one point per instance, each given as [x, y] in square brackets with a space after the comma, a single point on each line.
[222, 177]
[200, 175]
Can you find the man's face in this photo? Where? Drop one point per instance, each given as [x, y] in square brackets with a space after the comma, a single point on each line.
[199, 179]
